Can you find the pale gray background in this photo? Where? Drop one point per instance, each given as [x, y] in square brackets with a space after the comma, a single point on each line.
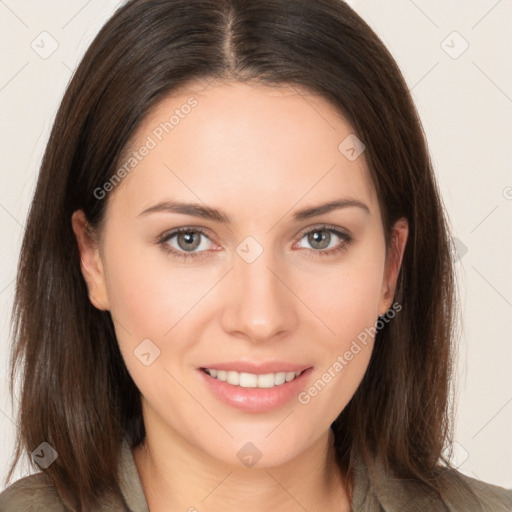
[465, 101]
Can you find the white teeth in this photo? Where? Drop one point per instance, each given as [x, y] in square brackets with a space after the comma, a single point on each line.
[280, 378]
[251, 380]
[248, 380]
[233, 378]
[266, 381]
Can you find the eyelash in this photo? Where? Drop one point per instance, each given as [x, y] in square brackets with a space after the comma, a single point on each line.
[347, 240]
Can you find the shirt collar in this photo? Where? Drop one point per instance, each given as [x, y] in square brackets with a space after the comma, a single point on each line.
[129, 481]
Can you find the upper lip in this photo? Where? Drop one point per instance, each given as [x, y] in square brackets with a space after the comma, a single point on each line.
[258, 368]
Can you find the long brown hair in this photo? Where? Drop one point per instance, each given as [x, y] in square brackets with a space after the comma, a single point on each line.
[76, 393]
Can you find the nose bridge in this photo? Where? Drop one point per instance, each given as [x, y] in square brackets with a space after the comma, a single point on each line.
[260, 305]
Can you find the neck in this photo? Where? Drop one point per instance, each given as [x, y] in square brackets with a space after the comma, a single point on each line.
[177, 476]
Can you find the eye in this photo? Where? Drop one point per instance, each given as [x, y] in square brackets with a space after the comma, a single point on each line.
[187, 241]
[323, 240]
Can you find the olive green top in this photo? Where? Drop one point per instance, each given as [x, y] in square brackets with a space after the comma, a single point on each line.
[35, 493]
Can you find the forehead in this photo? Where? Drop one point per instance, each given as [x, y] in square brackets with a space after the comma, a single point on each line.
[235, 140]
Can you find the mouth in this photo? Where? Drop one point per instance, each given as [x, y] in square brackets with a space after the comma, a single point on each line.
[252, 380]
[255, 391]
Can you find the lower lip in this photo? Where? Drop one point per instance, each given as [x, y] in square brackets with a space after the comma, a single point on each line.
[255, 399]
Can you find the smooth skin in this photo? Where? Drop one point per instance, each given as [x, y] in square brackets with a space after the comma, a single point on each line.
[259, 154]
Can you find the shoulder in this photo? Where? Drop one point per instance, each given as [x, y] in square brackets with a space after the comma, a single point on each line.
[383, 489]
[475, 494]
[34, 493]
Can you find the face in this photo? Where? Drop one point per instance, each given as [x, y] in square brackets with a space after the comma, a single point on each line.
[257, 285]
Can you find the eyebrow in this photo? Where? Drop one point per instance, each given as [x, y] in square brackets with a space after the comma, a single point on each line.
[216, 215]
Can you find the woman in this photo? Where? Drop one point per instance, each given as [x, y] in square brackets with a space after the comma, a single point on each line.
[297, 355]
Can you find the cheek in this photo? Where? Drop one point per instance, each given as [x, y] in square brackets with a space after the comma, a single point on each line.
[346, 296]
[342, 357]
[148, 294]
[152, 299]
[347, 304]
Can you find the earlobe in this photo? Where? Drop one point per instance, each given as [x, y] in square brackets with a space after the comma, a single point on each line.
[394, 257]
[91, 264]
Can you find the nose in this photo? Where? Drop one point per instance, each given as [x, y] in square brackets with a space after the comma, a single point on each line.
[260, 305]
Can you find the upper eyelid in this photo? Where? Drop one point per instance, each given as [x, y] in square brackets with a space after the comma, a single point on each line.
[326, 227]
[167, 235]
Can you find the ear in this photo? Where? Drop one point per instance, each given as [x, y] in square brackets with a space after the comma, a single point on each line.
[91, 264]
[399, 234]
